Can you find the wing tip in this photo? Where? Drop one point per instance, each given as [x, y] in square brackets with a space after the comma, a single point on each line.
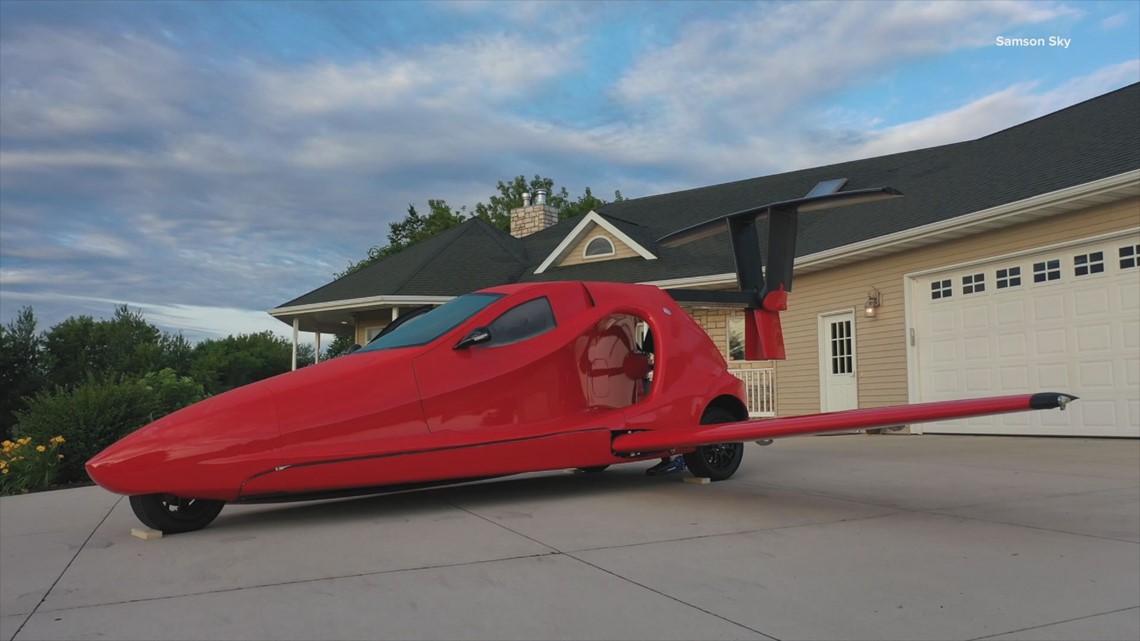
[1050, 400]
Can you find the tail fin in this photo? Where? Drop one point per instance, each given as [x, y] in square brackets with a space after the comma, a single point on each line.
[764, 287]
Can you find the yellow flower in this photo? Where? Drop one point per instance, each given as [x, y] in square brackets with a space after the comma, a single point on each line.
[25, 440]
[57, 440]
[7, 444]
[4, 471]
[61, 457]
[41, 448]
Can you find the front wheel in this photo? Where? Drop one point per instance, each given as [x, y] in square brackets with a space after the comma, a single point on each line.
[172, 514]
[720, 461]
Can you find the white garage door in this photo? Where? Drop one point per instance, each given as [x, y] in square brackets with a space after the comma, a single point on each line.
[1059, 320]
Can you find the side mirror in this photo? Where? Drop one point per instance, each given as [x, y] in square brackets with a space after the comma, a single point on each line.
[477, 335]
[355, 346]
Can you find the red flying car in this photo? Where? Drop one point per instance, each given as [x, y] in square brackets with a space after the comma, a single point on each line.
[505, 380]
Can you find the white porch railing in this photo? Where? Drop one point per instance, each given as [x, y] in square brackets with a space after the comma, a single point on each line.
[759, 388]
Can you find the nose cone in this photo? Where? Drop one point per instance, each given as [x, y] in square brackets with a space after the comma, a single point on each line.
[203, 451]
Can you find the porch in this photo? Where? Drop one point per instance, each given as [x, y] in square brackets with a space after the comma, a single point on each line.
[759, 389]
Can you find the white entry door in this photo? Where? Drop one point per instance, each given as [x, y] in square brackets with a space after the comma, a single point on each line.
[838, 389]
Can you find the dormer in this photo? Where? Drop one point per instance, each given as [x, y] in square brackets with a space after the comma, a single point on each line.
[598, 238]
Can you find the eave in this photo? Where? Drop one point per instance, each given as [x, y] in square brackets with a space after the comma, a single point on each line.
[336, 316]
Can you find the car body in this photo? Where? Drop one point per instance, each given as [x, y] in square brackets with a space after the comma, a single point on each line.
[559, 375]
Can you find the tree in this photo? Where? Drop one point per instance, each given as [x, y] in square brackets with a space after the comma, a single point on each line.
[496, 212]
[224, 364]
[178, 353]
[339, 346]
[21, 372]
[123, 348]
[586, 203]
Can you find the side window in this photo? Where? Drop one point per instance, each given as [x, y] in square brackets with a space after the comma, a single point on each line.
[524, 321]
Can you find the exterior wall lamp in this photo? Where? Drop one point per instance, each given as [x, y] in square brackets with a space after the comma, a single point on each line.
[874, 299]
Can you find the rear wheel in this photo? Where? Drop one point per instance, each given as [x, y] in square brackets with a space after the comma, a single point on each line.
[173, 514]
[720, 461]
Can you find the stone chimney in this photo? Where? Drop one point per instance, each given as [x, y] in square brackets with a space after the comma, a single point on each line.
[533, 217]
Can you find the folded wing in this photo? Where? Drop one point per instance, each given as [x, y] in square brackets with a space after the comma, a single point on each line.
[669, 438]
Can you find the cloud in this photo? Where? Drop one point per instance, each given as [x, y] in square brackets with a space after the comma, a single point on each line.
[1115, 21]
[485, 70]
[981, 117]
[67, 83]
[191, 173]
[765, 62]
[195, 322]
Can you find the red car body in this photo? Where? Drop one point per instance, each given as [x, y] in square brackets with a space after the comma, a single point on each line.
[433, 412]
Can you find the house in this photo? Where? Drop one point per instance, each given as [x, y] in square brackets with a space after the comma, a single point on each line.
[1012, 264]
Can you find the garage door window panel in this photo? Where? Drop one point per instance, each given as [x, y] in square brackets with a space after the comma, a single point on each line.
[1086, 264]
[1129, 255]
[1009, 277]
[1047, 271]
[941, 289]
[973, 283]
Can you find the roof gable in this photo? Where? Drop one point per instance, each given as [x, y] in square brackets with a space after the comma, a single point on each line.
[622, 232]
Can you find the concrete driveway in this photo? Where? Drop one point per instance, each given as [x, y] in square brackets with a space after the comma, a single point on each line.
[842, 537]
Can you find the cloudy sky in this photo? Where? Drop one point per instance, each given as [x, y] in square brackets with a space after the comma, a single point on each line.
[207, 161]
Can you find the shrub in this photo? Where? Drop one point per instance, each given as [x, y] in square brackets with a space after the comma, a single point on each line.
[27, 467]
[98, 413]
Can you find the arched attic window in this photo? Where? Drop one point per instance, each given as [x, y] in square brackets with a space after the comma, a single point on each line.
[597, 247]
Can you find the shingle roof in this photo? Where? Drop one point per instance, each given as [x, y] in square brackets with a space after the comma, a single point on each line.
[469, 256]
[1095, 139]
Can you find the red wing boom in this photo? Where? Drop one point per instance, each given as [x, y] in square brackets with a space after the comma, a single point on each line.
[657, 440]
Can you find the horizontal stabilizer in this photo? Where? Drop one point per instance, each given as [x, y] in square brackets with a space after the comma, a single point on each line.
[758, 429]
[806, 204]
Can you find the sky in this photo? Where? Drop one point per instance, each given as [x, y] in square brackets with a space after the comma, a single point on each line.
[204, 162]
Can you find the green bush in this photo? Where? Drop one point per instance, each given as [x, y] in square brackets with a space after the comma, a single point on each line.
[98, 413]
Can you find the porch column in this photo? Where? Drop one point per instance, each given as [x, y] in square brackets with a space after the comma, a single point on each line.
[317, 356]
[296, 331]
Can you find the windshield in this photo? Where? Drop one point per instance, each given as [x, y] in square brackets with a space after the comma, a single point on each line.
[427, 327]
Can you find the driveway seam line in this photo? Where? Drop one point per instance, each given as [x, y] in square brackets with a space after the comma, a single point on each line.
[618, 576]
[754, 531]
[671, 597]
[1038, 627]
[67, 567]
[932, 512]
[500, 525]
[297, 582]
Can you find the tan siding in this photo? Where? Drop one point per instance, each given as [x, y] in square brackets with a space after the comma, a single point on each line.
[881, 348]
[574, 257]
[369, 319]
[714, 320]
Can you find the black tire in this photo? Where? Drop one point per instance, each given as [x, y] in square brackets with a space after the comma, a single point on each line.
[593, 470]
[172, 514]
[716, 462]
